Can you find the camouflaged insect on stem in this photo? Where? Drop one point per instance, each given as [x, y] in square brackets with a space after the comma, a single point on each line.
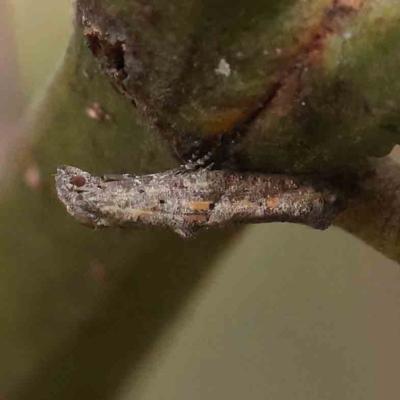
[188, 201]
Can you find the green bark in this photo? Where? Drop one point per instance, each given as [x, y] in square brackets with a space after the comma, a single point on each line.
[374, 214]
[95, 289]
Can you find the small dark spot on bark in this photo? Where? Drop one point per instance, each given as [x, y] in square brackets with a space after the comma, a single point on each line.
[78, 181]
[211, 206]
[94, 44]
[162, 201]
[113, 53]
[367, 108]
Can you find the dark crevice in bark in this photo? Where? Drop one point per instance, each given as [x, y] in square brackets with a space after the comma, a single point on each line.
[111, 55]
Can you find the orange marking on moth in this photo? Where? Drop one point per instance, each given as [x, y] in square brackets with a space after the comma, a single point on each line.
[272, 202]
[144, 213]
[196, 218]
[200, 205]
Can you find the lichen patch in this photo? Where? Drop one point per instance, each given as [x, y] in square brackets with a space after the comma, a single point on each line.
[223, 68]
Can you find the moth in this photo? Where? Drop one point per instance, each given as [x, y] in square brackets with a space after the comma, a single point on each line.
[188, 201]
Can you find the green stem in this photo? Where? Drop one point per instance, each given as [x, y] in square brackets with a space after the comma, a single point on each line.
[374, 214]
[96, 298]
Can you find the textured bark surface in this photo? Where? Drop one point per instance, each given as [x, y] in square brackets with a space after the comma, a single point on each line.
[293, 86]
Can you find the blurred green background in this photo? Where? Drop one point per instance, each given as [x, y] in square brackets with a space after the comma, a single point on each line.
[288, 313]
